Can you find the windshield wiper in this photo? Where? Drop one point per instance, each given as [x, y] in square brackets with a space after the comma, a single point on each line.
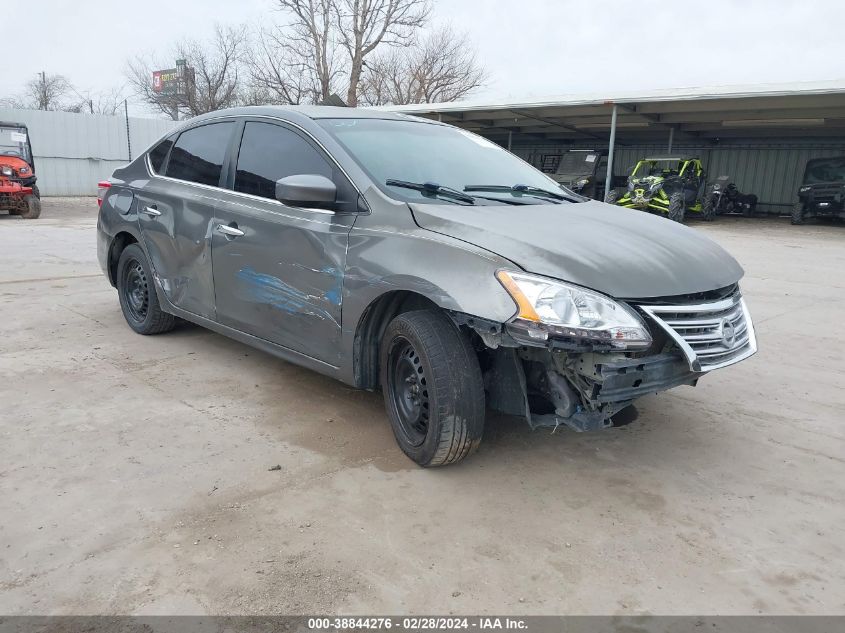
[524, 189]
[432, 189]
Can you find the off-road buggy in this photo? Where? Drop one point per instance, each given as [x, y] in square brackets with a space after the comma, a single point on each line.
[584, 171]
[668, 185]
[18, 192]
[723, 197]
[822, 193]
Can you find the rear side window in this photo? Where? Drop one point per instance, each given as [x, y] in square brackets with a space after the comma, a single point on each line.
[198, 154]
[270, 152]
[159, 153]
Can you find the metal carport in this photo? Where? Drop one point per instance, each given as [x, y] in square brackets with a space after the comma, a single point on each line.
[808, 115]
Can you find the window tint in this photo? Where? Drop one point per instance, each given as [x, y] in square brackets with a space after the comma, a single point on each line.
[159, 153]
[198, 154]
[269, 152]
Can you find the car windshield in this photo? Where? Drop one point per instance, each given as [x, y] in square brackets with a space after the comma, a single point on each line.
[416, 152]
[577, 163]
[661, 168]
[13, 142]
[825, 170]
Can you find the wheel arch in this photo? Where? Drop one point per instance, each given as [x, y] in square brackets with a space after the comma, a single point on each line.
[119, 242]
[371, 326]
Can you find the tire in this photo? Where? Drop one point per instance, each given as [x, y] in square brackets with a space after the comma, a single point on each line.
[137, 295]
[612, 197]
[33, 208]
[708, 211]
[797, 214]
[36, 192]
[676, 207]
[433, 389]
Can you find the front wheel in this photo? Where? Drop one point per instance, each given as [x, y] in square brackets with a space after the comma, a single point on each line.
[137, 295]
[708, 208]
[31, 208]
[797, 214]
[433, 390]
[676, 207]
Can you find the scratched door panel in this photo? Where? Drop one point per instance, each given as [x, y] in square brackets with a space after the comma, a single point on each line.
[282, 280]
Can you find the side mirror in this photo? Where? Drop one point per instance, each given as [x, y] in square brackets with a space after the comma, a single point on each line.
[306, 189]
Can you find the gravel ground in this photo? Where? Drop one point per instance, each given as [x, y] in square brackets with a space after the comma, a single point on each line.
[136, 473]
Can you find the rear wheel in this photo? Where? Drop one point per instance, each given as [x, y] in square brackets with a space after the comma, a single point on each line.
[32, 208]
[138, 299]
[708, 209]
[433, 390]
[676, 207]
[798, 214]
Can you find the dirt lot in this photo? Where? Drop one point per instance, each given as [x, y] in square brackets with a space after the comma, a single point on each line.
[135, 472]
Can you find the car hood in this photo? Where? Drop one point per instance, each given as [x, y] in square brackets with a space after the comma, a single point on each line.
[623, 253]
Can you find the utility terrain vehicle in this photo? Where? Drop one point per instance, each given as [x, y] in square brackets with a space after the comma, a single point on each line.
[584, 171]
[822, 193]
[668, 185]
[18, 193]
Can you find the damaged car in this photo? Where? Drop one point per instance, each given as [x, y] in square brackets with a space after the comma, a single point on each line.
[417, 258]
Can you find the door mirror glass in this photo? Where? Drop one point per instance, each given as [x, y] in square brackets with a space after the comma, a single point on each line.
[306, 190]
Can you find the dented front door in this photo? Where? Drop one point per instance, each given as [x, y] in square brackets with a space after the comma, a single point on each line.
[278, 273]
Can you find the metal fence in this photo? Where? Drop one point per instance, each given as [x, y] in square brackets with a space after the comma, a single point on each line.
[771, 168]
[74, 151]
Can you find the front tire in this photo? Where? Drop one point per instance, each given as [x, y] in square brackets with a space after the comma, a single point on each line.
[138, 299]
[32, 208]
[433, 389]
[708, 209]
[797, 214]
[676, 207]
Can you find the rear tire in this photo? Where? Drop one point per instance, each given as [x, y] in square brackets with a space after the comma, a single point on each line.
[137, 294]
[676, 207]
[32, 208]
[433, 389]
[708, 211]
[797, 214]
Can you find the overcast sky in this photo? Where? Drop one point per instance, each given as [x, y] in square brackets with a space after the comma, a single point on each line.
[530, 48]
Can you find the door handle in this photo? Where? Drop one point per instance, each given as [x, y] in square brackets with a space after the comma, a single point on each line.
[232, 231]
[151, 211]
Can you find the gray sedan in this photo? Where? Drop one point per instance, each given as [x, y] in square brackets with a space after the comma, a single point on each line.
[404, 254]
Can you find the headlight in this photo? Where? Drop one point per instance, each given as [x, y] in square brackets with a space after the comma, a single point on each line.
[7, 171]
[548, 307]
[716, 187]
[582, 183]
[804, 189]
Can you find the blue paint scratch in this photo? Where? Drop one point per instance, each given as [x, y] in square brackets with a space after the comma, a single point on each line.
[270, 290]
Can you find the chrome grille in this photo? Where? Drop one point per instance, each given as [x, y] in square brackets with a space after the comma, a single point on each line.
[711, 335]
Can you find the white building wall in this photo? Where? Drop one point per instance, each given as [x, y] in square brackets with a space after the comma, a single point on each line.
[75, 151]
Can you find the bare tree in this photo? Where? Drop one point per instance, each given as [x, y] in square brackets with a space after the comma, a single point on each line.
[213, 75]
[441, 67]
[280, 73]
[108, 102]
[363, 25]
[45, 92]
[309, 42]
[320, 28]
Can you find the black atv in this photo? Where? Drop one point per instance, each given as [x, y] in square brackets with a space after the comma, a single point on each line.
[723, 197]
[584, 171]
[822, 193]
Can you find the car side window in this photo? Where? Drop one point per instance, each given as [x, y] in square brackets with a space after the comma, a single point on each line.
[270, 152]
[198, 154]
[158, 154]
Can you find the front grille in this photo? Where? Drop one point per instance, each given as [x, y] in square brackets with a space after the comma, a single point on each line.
[712, 334]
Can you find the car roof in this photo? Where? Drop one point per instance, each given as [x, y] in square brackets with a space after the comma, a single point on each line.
[312, 112]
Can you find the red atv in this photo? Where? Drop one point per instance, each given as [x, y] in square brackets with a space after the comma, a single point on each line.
[18, 193]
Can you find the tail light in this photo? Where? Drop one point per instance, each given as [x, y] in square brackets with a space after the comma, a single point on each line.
[102, 189]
